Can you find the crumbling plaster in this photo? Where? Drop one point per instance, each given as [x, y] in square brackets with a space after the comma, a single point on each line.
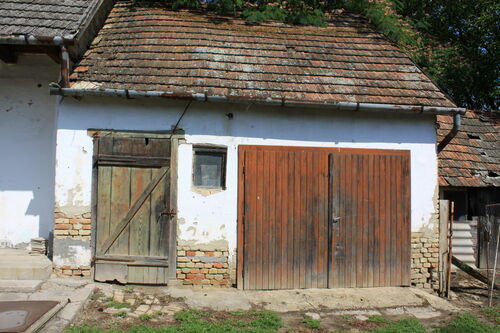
[209, 221]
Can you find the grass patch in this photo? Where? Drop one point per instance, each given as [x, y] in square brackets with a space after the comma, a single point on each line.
[118, 305]
[121, 314]
[493, 314]
[467, 323]
[145, 317]
[194, 321]
[96, 296]
[407, 325]
[128, 290]
[312, 323]
[379, 319]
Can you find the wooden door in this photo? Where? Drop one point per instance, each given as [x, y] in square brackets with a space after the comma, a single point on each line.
[133, 232]
[323, 217]
[370, 218]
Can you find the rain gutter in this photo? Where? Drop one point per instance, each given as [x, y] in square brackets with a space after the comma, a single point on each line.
[347, 106]
[59, 41]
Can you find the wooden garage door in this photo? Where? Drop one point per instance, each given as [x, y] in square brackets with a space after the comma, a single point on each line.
[133, 230]
[318, 218]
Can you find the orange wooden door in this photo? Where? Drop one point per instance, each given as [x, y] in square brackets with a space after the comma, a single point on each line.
[318, 218]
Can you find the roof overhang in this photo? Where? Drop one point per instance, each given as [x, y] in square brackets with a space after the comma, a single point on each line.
[204, 97]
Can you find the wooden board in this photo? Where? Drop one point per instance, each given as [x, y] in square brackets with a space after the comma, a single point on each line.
[288, 197]
[132, 209]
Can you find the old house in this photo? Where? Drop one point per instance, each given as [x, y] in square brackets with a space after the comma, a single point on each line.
[39, 41]
[206, 150]
[469, 175]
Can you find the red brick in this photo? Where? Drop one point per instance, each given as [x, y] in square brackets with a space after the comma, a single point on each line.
[195, 276]
[86, 227]
[209, 253]
[218, 266]
[190, 253]
[74, 221]
[63, 227]
[85, 221]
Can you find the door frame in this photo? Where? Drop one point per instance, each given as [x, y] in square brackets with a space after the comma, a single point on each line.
[241, 189]
[174, 141]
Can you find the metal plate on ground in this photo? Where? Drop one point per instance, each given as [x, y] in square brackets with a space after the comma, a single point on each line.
[18, 316]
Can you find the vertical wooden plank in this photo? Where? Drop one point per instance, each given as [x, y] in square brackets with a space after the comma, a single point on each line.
[399, 195]
[444, 216]
[323, 194]
[407, 221]
[242, 201]
[172, 151]
[341, 225]
[278, 284]
[284, 197]
[353, 213]
[120, 200]
[307, 221]
[296, 221]
[393, 213]
[366, 222]
[382, 220]
[271, 208]
[291, 220]
[347, 221]
[376, 220]
[264, 221]
[359, 220]
[303, 219]
[315, 264]
[251, 177]
[139, 225]
[258, 222]
[103, 206]
[158, 220]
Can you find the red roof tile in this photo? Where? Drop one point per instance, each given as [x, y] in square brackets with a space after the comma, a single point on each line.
[472, 158]
[155, 49]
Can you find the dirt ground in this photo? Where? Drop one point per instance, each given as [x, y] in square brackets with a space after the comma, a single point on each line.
[103, 311]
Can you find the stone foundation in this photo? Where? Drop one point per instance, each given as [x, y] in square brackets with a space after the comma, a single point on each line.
[70, 232]
[73, 271]
[200, 267]
[424, 261]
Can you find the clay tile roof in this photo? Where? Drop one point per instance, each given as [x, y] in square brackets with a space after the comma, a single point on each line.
[43, 17]
[472, 158]
[151, 48]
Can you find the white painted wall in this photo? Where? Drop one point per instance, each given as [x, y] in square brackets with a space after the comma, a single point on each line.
[206, 219]
[27, 138]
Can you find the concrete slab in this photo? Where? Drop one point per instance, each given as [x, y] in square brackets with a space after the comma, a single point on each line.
[19, 286]
[435, 301]
[14, 296]
[16, 264]
[299, 300]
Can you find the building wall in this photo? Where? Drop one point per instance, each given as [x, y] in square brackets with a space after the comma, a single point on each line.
[207, 221]
[27, 149]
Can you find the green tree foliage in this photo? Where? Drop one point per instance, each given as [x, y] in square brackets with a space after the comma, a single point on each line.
[455, 42]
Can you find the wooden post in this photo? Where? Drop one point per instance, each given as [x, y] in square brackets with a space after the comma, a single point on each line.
[450, 251]
[444, 217]
[494, 267]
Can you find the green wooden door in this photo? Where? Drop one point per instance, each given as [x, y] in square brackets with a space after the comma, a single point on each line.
[133, 231]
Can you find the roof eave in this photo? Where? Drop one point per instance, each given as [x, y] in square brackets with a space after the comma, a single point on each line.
[347, 106]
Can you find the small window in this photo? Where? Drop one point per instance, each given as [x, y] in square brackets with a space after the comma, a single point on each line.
[209, 167]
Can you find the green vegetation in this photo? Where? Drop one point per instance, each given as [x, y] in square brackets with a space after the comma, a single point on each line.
[145, 317]
[407, 325]
[493, 313]
[121, 314]
[128, 290]
[467, 323]
[194, 321]
[312, 323]
[117, 305]
[379, 319]
[96, 296]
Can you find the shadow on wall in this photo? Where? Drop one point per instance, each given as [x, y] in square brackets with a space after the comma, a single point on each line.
[250, 121]
[27, 150]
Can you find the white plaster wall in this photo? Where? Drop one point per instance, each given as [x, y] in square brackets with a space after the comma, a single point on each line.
[211, 219]
[27, 149]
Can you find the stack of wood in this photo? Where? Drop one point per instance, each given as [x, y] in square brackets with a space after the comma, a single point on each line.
[38, 246]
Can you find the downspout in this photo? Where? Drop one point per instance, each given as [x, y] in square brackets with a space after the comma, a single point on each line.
[457, 122]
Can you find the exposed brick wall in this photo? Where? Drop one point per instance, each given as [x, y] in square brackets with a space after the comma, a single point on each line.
[75, 227]
[424, 261]
[201, 267]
